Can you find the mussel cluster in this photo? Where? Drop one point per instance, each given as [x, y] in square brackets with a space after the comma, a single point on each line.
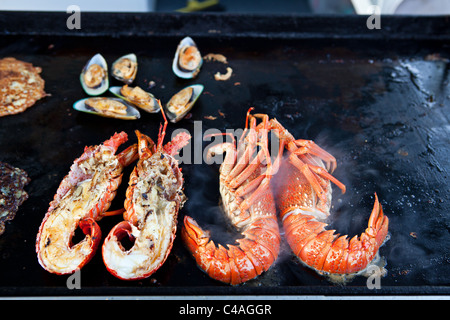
[95, 81]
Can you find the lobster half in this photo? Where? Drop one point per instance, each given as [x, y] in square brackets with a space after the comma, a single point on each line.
[303, 191]
[83, 197]
[249, 203]
[153, 199]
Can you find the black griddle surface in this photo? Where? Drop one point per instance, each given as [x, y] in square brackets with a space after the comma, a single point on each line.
[381, 107]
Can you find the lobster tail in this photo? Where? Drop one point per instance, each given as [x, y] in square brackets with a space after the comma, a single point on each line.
[325, 251]
[253, 255]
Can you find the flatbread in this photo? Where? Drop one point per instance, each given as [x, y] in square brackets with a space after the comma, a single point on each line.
[20, 86]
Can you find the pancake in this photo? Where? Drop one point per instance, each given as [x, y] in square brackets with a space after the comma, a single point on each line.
[20, 86]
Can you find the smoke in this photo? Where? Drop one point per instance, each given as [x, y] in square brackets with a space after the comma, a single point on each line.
[204, 203]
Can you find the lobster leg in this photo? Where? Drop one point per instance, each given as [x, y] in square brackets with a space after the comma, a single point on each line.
[308, 170]
[113, 213]
[230, 158]
[128, 156]
[263, 186]
[308, 146]
[309, 175]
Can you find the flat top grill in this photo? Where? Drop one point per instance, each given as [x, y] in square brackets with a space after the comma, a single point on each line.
[379, 102]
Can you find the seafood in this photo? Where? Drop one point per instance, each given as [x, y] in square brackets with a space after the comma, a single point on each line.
[94, 76]
[83, 197]
[138, 97]
[188, 60]
[125, 68]
[182, 102]
[223, 77]
[153, 199]
[107, 107]
[216, 57]
[250, 205]
[303, 191]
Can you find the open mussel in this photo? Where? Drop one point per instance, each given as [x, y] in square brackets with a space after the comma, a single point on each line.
[138, 97]
[94, 76]
[107, 107]
[182, 102]
[125, 68]
[188, 60]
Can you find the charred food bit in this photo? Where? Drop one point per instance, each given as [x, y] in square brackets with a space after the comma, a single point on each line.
[12, 195]
[20, 86]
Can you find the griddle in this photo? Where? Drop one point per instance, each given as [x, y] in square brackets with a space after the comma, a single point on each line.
[378, 100]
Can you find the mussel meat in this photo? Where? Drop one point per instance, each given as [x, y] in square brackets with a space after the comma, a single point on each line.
[138, 97]
[107, 107]
[182, 102]
[125, 68]
[94, 76]
[188, 60]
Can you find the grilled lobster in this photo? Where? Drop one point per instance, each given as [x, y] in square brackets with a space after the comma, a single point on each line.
[153, 199]
[303, 191]
[249, 203]
[83, 197]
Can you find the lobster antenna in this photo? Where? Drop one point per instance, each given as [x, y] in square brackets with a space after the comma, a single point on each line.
[162, 129]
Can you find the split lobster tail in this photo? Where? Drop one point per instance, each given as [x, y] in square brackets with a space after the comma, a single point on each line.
[83, 197]
[153, 199]
[327, 252]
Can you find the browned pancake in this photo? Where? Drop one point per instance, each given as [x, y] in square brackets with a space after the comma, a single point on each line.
[12, 195]
[20, 86]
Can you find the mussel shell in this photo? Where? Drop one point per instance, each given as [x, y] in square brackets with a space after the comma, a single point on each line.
[132, 113]
[177, 69]
[104, 83]
[128, 79]
[155, 108]
[176, 115]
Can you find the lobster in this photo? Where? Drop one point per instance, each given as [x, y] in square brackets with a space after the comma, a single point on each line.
[302, 188]
[249, 203]
[153, 199]
[83, 197]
